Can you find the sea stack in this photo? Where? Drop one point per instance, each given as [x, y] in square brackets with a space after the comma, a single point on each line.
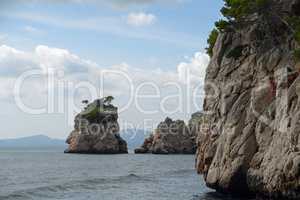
[252, 105]
[96, 130]
[170, 137]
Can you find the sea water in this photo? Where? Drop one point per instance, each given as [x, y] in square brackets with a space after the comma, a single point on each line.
[48, 174]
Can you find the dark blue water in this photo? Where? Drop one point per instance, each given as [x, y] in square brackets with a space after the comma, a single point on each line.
[54, 175]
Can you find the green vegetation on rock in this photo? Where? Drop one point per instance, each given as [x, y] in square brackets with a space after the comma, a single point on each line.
[234, 10]
[237, 9]
[294, 22]
[222, 25]
[212, 39]
[297, 55]
[260, 4]
[108, 100]
[236, 52]
[100, 107]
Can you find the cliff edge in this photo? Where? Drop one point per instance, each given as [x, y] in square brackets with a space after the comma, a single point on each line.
[251, 142]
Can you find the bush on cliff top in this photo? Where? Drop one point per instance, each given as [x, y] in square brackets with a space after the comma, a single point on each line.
[222, 25]
[237, 9]
[99, 106]
[234, 10]
[212, 39]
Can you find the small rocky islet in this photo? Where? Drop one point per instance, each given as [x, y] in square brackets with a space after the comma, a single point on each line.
[173, 137]
[96, 130]
[170, 137]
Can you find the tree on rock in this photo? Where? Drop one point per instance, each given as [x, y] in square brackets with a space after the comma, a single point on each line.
[108, 100]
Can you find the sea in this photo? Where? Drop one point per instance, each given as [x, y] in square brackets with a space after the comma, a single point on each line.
[51, 174]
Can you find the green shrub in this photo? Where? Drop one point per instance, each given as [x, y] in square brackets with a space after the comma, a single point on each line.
[297, 55]
[222, 25]
[234, 10]
[262, 3]
[297, 34]
[91, 114]
[212, 41]
[236, 52]
[294, 22]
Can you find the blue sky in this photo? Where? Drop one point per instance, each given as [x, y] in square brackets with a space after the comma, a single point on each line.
[149, 40]
[180, 29]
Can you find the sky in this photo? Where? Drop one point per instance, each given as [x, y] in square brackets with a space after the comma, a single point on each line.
[148, 54]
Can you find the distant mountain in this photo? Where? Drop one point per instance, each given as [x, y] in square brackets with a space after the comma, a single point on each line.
[134, 137]
[32, 142]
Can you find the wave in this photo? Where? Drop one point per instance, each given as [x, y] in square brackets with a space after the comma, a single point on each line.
[182, 172]
[87, 184]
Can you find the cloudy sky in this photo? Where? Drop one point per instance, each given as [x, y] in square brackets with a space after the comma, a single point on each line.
[148, 54]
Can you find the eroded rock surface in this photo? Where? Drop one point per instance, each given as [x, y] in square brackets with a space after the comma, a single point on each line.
[170, 137]
[96, 131]
[252, 105]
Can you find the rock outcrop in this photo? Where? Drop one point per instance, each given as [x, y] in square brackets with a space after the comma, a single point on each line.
[252, 107]
[170, 137]
[96, 131]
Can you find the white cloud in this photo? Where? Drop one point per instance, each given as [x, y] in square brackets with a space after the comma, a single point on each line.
[3, 37]
[196, 68]
[109, 25]
[32, 30]
[78, 70]
[6, 88]
[13, 62]
[61, 59]
[141, 19]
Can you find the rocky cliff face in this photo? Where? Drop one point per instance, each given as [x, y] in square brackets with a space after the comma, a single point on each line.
[251, 142]
[96, 131]
[170, 137]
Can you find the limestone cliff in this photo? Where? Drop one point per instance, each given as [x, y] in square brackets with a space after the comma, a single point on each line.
[170, 137]
[96, 131]
[251, 142]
